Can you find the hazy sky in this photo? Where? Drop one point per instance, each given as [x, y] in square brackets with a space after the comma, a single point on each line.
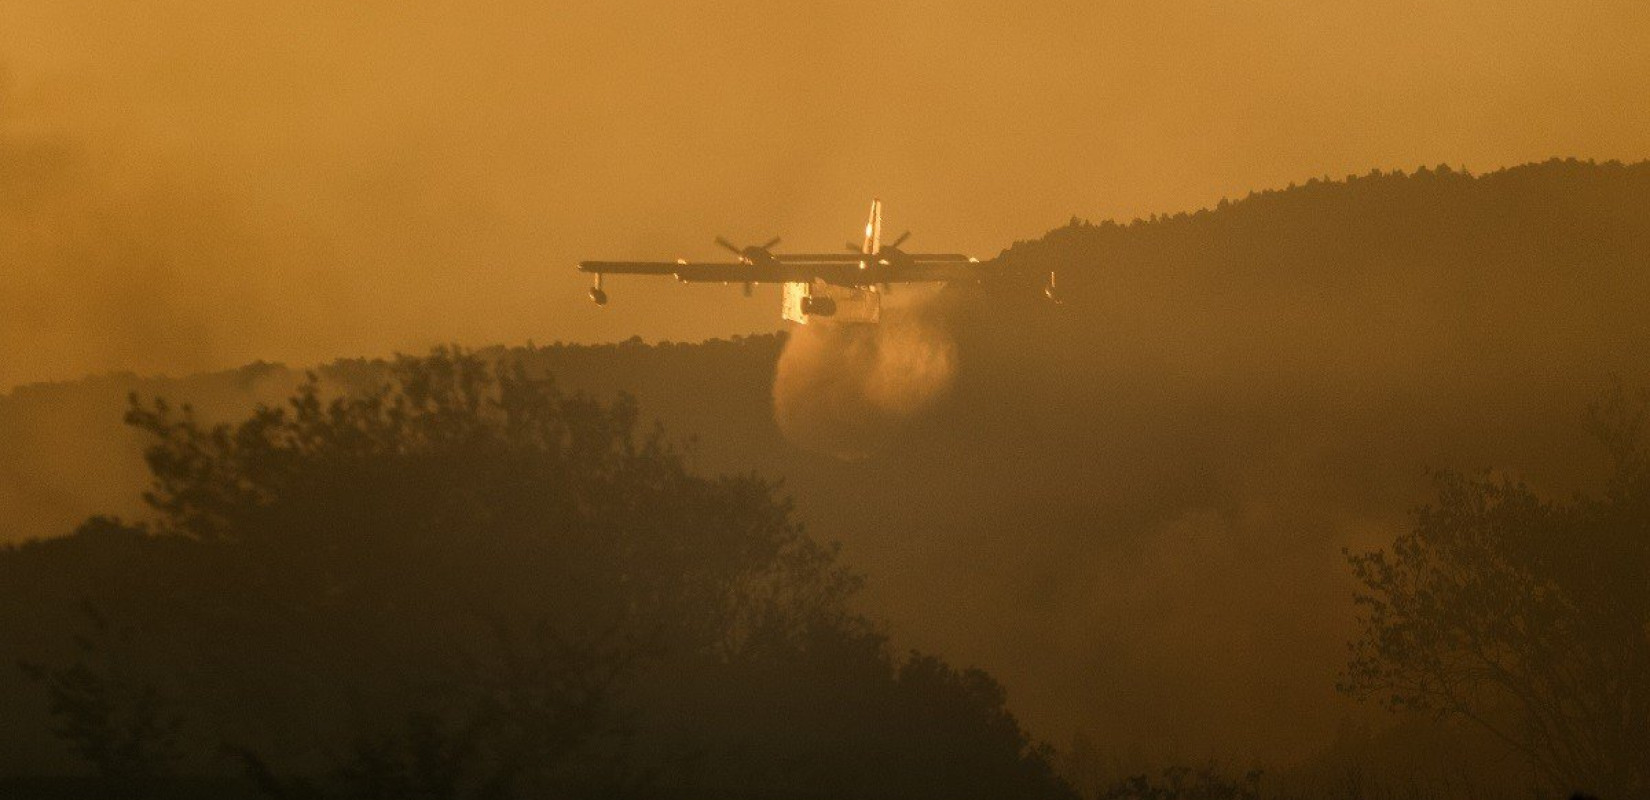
[188, 184]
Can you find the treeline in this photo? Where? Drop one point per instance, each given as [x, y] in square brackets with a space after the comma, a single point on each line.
[1132, 507]
[466, 583]
[69, 455]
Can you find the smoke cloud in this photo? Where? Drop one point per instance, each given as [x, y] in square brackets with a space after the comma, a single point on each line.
[189, 184]
[845, 389]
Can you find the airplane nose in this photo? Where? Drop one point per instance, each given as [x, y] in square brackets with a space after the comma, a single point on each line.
[599, 296]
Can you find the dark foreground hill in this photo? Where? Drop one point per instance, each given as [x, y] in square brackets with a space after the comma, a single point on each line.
[1131, 507]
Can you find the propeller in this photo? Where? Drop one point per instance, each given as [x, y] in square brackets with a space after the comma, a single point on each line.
[894, 245]
[747, 253]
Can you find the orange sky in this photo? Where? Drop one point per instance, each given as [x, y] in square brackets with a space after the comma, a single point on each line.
[189, 184]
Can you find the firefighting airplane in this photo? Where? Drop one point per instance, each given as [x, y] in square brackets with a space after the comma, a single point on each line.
[845, 287]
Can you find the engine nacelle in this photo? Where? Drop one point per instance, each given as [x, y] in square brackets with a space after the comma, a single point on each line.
[818, 306]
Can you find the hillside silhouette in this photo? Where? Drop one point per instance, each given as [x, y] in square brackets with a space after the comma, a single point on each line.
[1129, 508]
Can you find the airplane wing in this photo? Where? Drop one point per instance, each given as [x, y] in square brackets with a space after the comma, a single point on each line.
[924, 271]
[735, 273]
[839, 269]
[704, 271]
[923, 268]
[855, 258]
[819, 258]
[941, 258]
[631, 267]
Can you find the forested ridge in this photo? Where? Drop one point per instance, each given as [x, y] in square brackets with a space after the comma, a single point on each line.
[1130, 508]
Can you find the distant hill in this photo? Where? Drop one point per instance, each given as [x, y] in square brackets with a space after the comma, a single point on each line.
[1129, 507]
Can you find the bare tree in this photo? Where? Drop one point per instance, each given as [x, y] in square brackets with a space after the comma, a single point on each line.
[1528, 616]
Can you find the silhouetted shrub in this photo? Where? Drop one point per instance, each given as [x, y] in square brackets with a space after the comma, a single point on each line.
[466, 583]
[1528, 616]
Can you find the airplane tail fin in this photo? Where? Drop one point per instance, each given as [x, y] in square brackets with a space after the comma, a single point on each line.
[873, 229]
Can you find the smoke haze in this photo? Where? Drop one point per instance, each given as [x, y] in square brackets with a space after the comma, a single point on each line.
[191, 184]
[1133, 514]
[1130, 508]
